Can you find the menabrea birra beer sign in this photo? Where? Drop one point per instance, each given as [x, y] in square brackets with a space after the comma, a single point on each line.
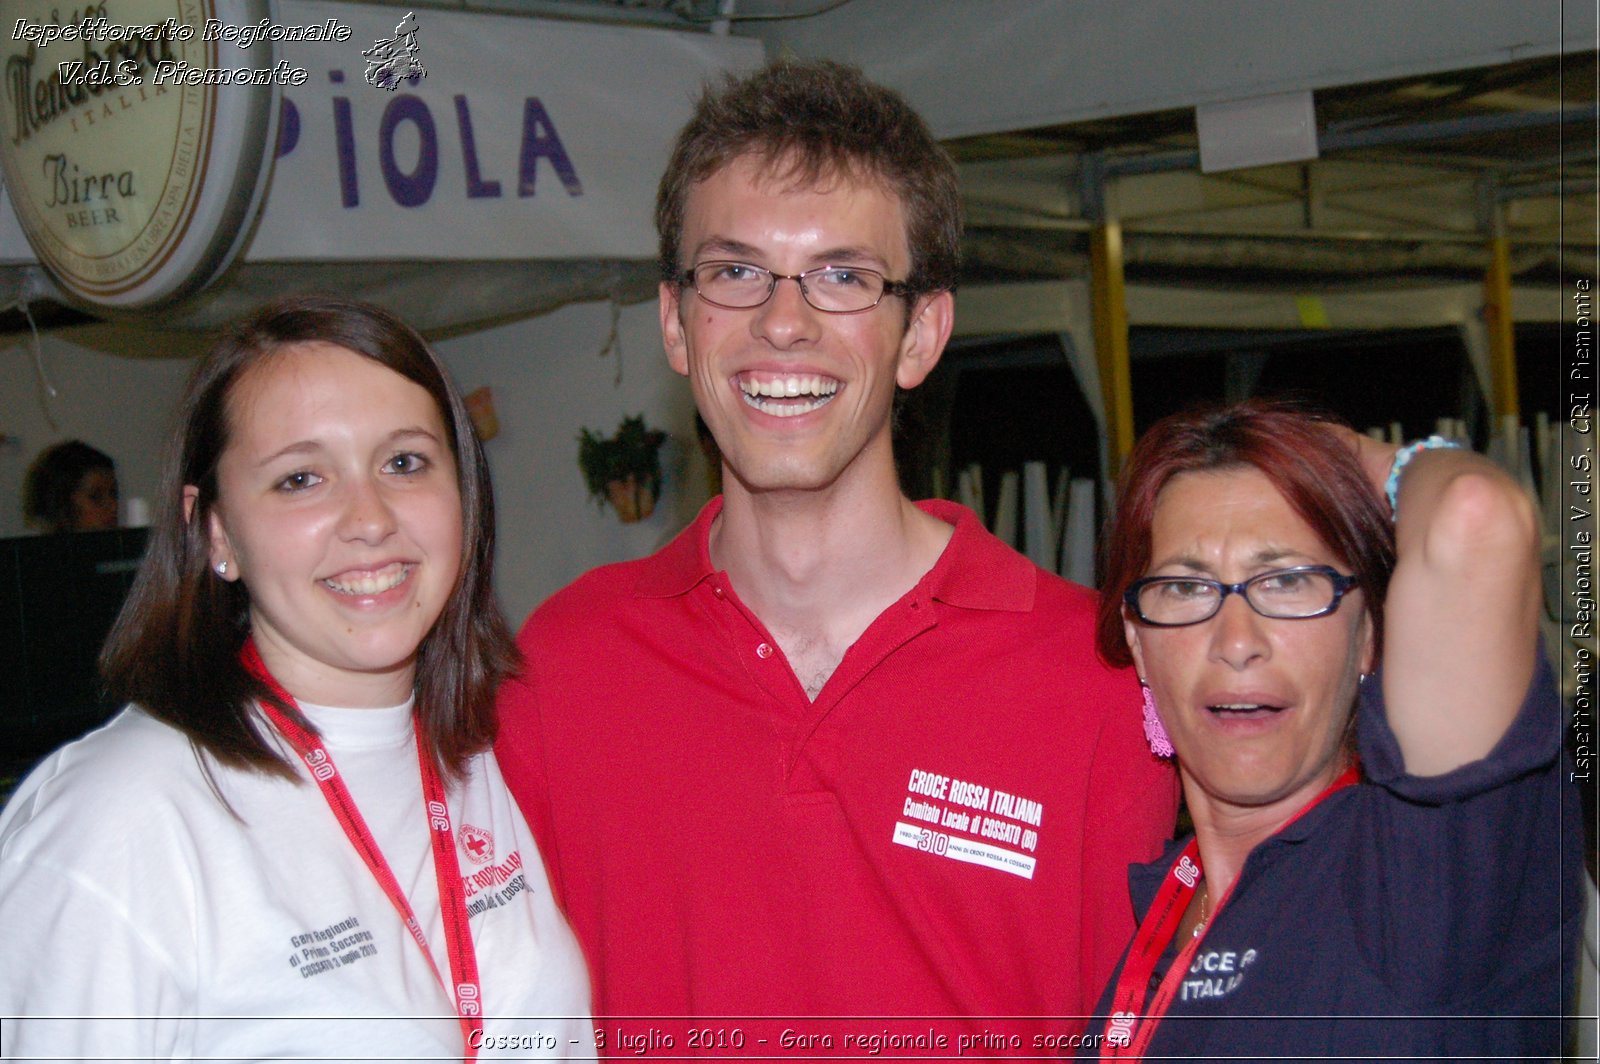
[136, 136]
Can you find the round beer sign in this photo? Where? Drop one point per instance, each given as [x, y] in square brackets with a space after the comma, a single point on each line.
[136, 139]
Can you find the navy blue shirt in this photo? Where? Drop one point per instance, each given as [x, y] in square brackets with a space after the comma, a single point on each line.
[1402, 917]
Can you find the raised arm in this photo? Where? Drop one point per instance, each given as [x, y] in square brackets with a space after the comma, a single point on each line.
[1461, 627]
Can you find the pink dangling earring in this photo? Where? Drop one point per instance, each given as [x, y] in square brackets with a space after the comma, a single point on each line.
[1154, 733]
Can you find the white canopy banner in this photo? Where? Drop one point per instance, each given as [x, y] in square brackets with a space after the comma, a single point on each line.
[521, 139]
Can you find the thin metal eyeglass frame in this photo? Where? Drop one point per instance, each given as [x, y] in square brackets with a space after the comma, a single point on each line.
[1341, 585]
[890, 288]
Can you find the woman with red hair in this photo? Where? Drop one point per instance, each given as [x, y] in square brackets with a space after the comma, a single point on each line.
[1384, 859]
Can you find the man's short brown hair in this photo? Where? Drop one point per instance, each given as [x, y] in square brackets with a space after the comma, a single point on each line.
[816, 121]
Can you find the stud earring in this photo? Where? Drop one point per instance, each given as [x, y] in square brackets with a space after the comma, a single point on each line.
[1154, 733]
[222, 568]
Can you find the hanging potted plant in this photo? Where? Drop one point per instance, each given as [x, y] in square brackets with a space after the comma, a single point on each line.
[623, 469]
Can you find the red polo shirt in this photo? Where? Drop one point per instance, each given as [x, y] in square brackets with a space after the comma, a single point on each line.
[945, 832]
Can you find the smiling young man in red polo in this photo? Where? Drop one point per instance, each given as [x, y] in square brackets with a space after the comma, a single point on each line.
[831, 753]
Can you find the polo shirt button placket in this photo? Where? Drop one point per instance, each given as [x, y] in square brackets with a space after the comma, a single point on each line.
[764, 651]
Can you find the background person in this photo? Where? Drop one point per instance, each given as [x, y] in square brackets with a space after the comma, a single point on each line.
[229, 868]
[831, 752]
[71, 487]
[1386, 860]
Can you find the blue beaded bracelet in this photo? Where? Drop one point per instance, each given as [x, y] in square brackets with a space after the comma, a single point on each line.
[1391, 486]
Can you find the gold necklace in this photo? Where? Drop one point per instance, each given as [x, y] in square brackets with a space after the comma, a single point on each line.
[1205, 897]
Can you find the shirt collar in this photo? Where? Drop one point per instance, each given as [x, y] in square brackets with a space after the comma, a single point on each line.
[1144, 880]
[975, 571]
[684, 562]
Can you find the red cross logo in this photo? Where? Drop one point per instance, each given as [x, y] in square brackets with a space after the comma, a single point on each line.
[478, 843]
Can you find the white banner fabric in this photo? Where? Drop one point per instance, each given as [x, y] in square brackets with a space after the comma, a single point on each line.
[523, 139]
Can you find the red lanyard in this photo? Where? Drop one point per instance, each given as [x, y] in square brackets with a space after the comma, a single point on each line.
[1126, 1035]
[452, 895]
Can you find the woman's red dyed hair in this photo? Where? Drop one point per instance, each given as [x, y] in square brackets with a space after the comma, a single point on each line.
[1316, 471]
